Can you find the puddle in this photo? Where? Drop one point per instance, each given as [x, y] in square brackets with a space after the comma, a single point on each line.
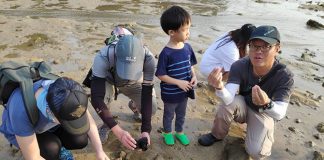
[115, 7]
[14, 7]
[261, 1]
[12, 55]
[315, 7]
[3, 47]
[35, 40]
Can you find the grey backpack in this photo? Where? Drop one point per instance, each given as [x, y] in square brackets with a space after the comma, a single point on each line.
[14, 75]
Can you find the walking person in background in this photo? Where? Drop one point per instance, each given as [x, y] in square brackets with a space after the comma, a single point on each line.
[265, 87]
[227, 49]
[176, 72]
[64, 122]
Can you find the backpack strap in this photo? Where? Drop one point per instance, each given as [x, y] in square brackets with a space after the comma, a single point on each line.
[29, 100]
[38, 70]
[111, 57]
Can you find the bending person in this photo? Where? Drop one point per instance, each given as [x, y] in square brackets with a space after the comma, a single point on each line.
[124, 66]
[64, 122]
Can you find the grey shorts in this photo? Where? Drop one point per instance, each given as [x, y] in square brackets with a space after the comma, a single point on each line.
[133, 92]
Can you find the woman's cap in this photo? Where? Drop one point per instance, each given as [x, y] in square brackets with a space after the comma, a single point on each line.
[68, 101]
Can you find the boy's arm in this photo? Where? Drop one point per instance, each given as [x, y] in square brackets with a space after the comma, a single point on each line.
[184, 85]
[193, 80]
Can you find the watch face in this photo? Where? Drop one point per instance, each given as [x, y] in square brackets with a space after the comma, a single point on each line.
[261, 110]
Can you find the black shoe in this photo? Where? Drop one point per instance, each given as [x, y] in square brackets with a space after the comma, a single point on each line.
[207, 139]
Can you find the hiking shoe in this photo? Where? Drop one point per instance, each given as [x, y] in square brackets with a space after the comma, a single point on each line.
[182, 138]
[65, 154]
[208, 139]
[103, 131]
[137, 116]
[168, 138]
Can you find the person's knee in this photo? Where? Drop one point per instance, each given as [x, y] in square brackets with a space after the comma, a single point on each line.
[50, 149]
[81, 143]
[260, 152]
[78, 142]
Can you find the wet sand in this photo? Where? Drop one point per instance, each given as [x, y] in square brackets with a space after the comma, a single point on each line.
[68, 34]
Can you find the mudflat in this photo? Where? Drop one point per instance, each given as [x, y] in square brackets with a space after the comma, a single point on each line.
[69, 33]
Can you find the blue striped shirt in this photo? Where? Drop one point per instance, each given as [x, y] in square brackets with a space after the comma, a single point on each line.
[175, 63]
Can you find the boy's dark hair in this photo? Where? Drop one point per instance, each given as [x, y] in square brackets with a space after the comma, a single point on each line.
[173, 18]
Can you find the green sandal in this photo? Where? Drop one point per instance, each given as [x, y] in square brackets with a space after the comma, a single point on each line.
[182, 138]
[168, 138]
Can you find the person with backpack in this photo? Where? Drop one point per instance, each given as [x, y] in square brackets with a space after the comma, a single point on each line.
[64, 122]
[125, 66]
[225, 50]
[264, 87]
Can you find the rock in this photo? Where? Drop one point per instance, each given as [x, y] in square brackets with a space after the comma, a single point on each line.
[212, 101]
[317, 79]
[306, 57]
[234, 149]
[318, 155]
[297, 120]
[55, 61]
[298, 104]
[311, 144]
[200, 51]
[201, 84]
[318, 136]
[158, 157]
[160, 108]
[323, 84]
[290, 151]
[160, 130]
[293, 129]
[320, 127]
[122, 155]
[314, 24]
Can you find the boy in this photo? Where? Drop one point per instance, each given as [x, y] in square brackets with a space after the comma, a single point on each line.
[176, 72]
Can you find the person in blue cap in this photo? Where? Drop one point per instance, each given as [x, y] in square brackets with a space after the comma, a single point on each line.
[264, 87]
[64, 122]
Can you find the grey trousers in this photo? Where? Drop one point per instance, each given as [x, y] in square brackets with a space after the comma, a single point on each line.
[133, 92]
[260, 126]
[168, 114]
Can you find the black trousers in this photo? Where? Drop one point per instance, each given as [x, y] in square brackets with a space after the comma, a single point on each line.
[50, 143]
